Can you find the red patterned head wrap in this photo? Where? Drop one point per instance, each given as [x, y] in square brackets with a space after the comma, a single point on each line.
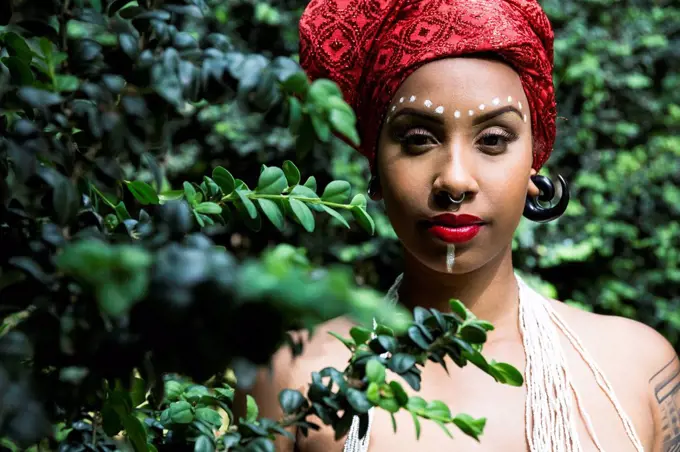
[369, 47]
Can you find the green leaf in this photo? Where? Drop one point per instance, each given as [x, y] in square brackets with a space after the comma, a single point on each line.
[224, 179]
[189, 193]
[416, 422]
[373, 393]
[416, 404]
[358, 200]
[66, 201]
[335, 214]
[401, 362]
[170, 195]
[181, 412]
[358, 400]
[321, 90]
[19, 70]
[38, 98]
[473, 333]
[337, 191]
[437, 410]
[66, 83]
[375, 371]
[209, 416]
[247, 204]
[364, 219]
[321, 127]
[302, 213]
[209, 208]
[458, 308]
[347, 342]
[294, 115]
[173, 389]
[204, 444]
[273, 212]
[512, 376]
[143, 192]
[304, 192]
[389, 404]
[135, 432]
[111, 422]
[311, 183]
[252, 411]
[298, 83]
[16, 46]
[443, 427]
[137, 391]
[469, 425]
[345, 124]
[272, 181]
[360, 334]
[399, 393]
[292, 173]
[291, 400]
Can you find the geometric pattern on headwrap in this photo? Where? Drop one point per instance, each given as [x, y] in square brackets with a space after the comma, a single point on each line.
[369, 47]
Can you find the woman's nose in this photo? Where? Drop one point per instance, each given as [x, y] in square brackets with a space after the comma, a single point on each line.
[455, 174]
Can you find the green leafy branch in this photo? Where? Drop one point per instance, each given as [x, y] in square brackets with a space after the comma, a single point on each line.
[278, 195]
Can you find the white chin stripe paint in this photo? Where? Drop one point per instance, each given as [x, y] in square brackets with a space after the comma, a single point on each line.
[450, 257]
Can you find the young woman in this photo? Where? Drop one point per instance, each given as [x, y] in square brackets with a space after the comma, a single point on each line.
[456, 111]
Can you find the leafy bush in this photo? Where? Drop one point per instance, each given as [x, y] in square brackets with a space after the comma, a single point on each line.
[125, 292]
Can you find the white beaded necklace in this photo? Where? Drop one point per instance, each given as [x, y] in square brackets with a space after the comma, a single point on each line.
[551, 421]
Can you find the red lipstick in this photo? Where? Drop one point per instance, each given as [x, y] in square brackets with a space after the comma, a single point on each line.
[455, 228]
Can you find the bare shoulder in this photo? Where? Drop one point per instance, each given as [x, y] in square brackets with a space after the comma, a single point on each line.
[626, 344]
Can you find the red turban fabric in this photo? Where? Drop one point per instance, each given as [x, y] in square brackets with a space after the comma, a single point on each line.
[369, 47]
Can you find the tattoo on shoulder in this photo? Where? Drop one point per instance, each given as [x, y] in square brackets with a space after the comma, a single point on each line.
[666, 385]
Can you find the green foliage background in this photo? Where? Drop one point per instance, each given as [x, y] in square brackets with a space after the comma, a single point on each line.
[617, 75]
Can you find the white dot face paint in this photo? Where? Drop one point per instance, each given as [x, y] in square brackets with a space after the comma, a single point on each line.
[439, 110]
[456, 114]
[509, 99]
[519, 104]
[412, 99]
[471, 112]
[401, 101]
[496, 101]
[428, 103]
[394, 107]
[482, 107]
[450, 257]
[525, 117]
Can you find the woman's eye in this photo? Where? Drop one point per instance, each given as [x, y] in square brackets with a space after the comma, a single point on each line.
[497, 140]
[417, 138]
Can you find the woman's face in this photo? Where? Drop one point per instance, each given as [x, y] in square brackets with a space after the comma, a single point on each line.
[458, 125]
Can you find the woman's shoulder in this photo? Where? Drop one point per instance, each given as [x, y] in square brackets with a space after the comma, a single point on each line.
[622, 343]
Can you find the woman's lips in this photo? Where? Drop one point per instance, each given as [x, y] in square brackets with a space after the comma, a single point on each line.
[455, 234]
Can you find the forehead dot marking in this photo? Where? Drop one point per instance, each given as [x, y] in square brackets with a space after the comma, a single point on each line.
[471, 112]
[401, 100]
[519, 104]
[439, 110]
[525, 117]
[456, 114]
[509, 99]
[496, 101]
[482, 107]
[394, 107]
[412, 98]
[428, 103]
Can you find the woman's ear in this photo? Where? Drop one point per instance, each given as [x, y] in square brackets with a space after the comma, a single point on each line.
[374, 189]
[532, 189]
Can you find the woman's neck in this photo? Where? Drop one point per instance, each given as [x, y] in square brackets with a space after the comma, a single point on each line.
[490, 292]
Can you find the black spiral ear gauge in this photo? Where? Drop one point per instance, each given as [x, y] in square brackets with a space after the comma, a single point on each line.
[534, 211]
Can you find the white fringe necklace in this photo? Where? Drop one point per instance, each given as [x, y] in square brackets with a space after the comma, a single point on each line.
[550, 417]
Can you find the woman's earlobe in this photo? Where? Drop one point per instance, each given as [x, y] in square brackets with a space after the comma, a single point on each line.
[374, 189]
[533, 208]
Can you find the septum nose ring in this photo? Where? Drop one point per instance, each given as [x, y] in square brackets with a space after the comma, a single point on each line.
[452, 200]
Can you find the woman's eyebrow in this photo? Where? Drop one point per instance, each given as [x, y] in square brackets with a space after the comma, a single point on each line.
[434, 117]
[439, 119]
[492, 114]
